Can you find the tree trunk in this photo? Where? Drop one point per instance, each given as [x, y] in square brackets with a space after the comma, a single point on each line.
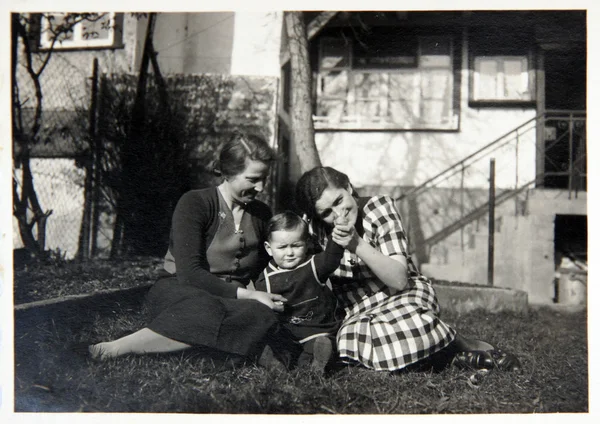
[303, 131]
[125, 231]
[83, 249]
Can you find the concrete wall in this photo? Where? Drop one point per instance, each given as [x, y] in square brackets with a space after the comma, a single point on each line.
[194, 42]
[257, 43]
[226, 43]
[524, 246]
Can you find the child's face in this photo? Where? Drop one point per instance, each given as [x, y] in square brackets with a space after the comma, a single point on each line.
[288, 248]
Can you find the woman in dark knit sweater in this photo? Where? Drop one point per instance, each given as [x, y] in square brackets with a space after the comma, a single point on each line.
[216, 248]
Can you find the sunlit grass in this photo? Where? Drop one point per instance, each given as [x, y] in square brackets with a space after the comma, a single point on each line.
[552, 346]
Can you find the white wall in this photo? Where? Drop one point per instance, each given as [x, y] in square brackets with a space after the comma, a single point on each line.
[194, 43]
[228, 43]
[256, 45]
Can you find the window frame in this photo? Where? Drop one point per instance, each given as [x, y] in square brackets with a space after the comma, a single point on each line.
[351, 120]
[114, 41]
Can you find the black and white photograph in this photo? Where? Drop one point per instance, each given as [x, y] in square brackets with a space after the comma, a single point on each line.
[296, 210]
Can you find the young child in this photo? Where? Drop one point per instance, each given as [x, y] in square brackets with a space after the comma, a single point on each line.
[311, 312]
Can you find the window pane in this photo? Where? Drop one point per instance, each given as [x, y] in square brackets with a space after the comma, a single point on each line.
[97, 27]
[58, 28]
[334, 84]
[385, 50]
[369, 109]
[515, 79]
[433, 111]
[435, 62]
[486, 70]
[401, 112]
[368, 85]
[334, 53]
[332, 109]
[435, 84]
[402, 85]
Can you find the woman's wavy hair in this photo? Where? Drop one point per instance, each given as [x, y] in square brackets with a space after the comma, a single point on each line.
[235, 151]
[310, 188]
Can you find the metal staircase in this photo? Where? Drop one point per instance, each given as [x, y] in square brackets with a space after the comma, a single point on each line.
[561, 155]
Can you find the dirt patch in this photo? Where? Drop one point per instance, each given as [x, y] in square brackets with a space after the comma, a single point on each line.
[53, 279]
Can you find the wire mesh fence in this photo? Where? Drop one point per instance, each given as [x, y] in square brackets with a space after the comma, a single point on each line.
[51, 151]
[59, 186]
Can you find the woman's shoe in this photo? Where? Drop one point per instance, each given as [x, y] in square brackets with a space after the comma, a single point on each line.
[474, 359]
[489, 359]
[506, 361]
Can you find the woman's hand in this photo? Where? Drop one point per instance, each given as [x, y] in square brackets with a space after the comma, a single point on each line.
[272, 300]
[391, 270]
[345, 235]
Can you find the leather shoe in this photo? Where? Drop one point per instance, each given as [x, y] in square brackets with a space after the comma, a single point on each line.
[489, 359]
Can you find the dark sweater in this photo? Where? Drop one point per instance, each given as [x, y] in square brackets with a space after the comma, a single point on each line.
[195, 222]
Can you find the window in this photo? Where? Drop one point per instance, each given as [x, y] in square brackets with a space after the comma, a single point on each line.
[76, 31]
[501, 67]
[502, 78]
[393, 81]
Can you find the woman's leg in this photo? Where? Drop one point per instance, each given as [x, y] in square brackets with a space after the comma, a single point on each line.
[142, 341]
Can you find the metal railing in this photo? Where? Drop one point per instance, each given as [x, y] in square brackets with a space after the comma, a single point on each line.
[553, 143]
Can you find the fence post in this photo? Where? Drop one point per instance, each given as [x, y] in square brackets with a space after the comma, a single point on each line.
[491, 221]
[97, 166]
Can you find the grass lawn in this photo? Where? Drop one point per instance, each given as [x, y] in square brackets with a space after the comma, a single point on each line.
[49, 377]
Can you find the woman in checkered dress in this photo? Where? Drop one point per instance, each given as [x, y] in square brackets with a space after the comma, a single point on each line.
[392, 314]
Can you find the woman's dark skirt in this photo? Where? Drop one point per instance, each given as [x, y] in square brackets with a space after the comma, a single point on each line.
[198, 318]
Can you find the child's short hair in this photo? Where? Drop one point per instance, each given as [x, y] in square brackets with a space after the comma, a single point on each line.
[287, 221]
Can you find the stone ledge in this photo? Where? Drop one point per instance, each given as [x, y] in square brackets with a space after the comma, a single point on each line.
[462, 299]
[83, 305]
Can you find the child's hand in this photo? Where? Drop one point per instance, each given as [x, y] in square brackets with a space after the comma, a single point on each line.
[345, 235]
[272, 300]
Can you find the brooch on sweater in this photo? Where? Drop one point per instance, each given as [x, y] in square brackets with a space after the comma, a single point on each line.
[222, 215]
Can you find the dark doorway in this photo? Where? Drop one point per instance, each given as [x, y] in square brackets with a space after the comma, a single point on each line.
[570, 237]
[565, 82]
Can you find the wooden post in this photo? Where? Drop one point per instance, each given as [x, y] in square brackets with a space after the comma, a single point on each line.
[97, 149]
[491, 221]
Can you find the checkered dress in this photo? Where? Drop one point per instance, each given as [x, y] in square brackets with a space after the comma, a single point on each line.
[386, 329]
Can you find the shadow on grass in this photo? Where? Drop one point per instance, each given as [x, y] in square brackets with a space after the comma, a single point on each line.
[51, 378]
